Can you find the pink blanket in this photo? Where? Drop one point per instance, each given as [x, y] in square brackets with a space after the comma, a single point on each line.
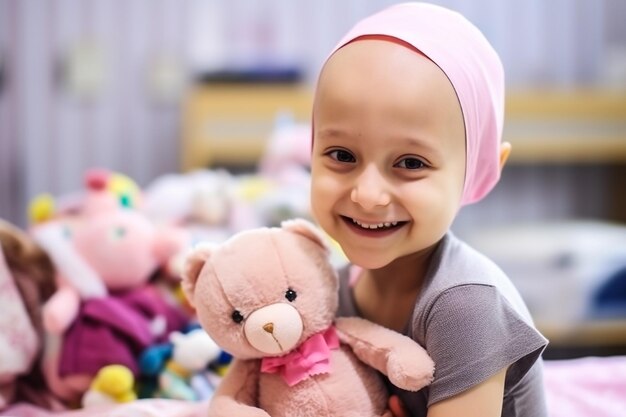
[139, 408]
[587, 387]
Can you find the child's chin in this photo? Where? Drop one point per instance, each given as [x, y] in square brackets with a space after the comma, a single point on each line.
[366, 260]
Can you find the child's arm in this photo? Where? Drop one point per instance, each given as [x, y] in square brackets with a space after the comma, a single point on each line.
[483, 400]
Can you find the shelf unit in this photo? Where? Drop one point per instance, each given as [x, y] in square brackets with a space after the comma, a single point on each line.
[566, 127]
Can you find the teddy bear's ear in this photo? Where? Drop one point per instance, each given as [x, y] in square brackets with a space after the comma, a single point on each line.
[194, 262]
[306, 229]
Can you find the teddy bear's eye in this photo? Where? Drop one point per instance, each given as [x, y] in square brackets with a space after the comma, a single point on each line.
[237, 317]
[290, 295]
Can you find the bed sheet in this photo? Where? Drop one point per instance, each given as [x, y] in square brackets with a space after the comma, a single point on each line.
[139, 408]
[586, 387]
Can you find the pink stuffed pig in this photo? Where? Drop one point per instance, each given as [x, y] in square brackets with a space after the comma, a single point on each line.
[104, 311]
[269, 296]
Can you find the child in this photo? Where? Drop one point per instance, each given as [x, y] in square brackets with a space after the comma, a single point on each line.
[407, 122]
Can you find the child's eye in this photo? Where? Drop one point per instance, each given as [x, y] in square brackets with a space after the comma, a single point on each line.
[410, 163]
[341, 155]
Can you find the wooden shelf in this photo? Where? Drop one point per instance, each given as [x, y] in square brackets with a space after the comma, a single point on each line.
[566, 127]
[603, 333]
[576, 104]
[573, 150]
[230, 124]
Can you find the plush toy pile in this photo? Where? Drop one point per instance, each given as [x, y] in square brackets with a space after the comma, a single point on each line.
[87, 293]
[105, 310]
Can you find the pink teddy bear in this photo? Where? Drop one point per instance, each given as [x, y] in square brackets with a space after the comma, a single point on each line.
[269, 296]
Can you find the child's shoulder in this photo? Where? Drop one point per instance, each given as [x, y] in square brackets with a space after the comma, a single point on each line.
[459, 268]
[457, 263]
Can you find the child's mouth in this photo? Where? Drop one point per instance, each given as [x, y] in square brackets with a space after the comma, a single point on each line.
[372, 228]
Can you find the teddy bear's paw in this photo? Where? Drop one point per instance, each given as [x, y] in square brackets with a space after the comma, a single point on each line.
[410, 373]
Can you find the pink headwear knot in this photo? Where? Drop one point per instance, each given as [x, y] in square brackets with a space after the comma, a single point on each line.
[473, 68]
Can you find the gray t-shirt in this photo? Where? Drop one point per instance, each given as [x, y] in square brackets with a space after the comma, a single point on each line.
[473, 323]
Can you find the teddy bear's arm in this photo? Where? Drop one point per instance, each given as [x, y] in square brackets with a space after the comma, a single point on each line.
[404, 361]
[238, 392]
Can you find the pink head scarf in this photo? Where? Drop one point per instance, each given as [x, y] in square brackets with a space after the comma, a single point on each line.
[472, 66]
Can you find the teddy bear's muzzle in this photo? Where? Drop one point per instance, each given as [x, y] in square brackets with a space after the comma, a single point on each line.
[274, 329]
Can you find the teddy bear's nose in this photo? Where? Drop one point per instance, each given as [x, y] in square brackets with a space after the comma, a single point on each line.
[269, 327]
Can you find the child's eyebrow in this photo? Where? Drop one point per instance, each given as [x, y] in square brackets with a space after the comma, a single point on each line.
[332, 133]
[429, 146]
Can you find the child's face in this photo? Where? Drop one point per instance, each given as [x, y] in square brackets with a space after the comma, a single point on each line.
[388, 159]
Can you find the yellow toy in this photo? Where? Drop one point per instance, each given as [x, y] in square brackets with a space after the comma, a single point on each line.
[41, 208]
[112, 384]
[126, 189]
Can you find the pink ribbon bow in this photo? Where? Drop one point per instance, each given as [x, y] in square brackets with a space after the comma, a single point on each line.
[312, 357]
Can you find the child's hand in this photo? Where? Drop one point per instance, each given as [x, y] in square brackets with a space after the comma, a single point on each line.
[397, 407]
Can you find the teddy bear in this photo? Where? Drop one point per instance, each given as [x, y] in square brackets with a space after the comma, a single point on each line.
[268, 296]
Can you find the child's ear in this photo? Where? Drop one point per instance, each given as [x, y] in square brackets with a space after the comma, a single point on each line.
[505, 151]
[194, 262]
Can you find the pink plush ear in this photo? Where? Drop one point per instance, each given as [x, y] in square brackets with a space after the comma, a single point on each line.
[306, 229]
[169, 242]
[194, 262]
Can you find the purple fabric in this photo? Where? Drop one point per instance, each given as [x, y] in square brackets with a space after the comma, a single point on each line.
[115, 330]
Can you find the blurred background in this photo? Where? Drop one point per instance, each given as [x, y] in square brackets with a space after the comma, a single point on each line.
[150, 88]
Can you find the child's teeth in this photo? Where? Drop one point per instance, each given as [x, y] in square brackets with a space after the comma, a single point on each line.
[374, 225]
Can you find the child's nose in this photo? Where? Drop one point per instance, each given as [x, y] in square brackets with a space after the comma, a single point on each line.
[371, 190]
